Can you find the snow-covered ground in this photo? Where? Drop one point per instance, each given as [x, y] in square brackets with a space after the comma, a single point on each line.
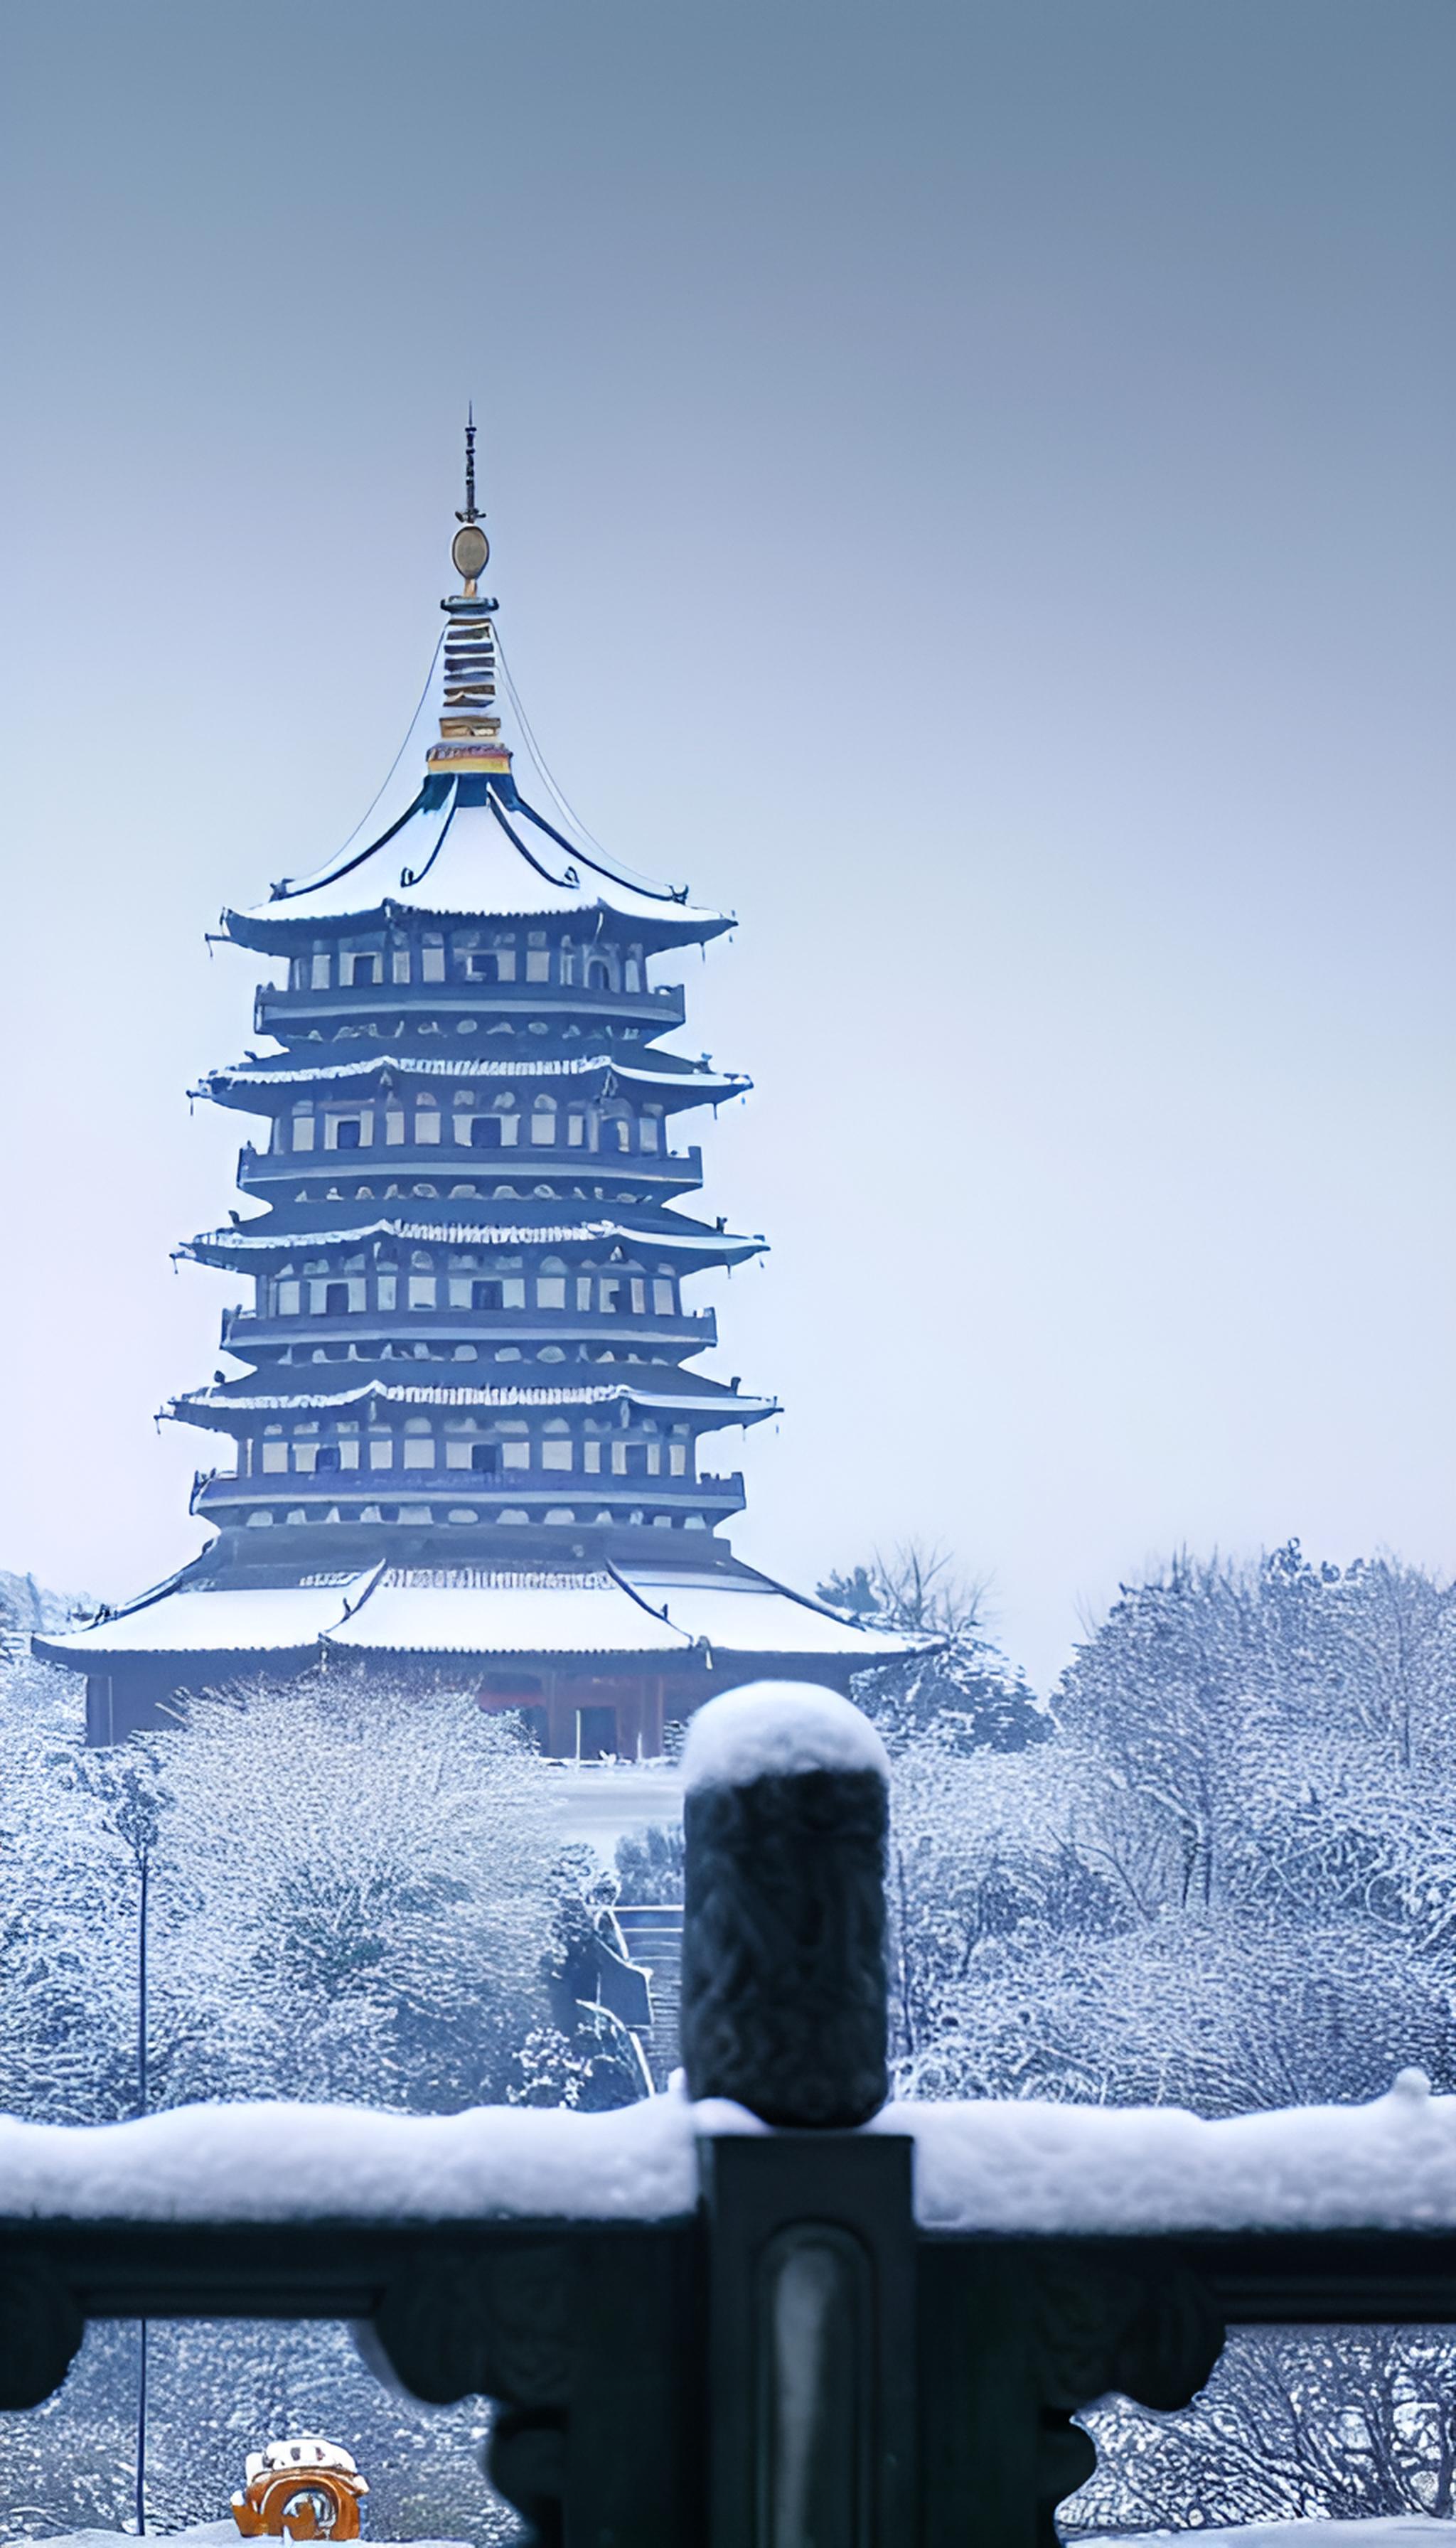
[1004, 2166]
[1408, 2531]
[600, 1802]
[1403, 2530]
[208, 2534]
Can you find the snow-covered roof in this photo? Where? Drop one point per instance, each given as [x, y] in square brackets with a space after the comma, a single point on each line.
[777, 1729]
[695, 1397]
[747, 1614]
[666, 1075]
[478, 1611]
[1012, 2168]
[462, 1610]
[686, 1238]
[469, 850]
[201, 1619]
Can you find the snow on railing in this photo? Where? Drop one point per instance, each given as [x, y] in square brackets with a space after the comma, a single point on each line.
[993, 2168]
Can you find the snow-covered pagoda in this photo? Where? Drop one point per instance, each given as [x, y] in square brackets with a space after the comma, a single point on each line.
[466, 1438]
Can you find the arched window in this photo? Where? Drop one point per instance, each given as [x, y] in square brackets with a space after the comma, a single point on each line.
[551, 1283]
[556, 1445]
[505, 1110]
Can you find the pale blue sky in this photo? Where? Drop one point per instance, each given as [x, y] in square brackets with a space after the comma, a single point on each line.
[971, 489]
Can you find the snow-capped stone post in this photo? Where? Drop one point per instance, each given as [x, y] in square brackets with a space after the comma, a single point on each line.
[810, 2232]
[783, 1950]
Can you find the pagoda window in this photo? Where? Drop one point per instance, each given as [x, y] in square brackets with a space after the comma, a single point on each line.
[639, 1295]
[275, 1457]
[346, 1132]
[286, 1300]
[665, 1298]
[556, 1454]
[386, 1291]
[419, 1451]
[611, 1286]
[485, 1459]
[318, 974]
[678, 1459]
[303, 1128]
[654, 1459]
[575, 1128]
[328, 1456]
[400, 965]
[543, 1121]
[649, 1133]
[381, 1450]
[485, 1133]
[422, 1291]
[433, 961]
[393, 1122]
[591, 1457]
[355, 968]
[597, 974]
[632, 974]
[551, 1283]
[619, 1459]
[515, 1455]
[620, 1123]
[538, 963]
[426, 1121]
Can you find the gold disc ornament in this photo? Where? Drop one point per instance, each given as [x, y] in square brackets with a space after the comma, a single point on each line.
[470, 549]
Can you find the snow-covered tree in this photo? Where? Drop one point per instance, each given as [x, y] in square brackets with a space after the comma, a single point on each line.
[1230, 1879]
[68, 1916]
[353, 1894]
[916, 1586]
[1296, 2424]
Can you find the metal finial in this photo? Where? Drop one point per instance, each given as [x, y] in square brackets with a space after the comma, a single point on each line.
[470, 547]
[472, 510]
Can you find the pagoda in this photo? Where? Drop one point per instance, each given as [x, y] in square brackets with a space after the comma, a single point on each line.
[465, 1438]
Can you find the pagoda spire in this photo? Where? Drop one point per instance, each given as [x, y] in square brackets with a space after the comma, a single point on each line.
[470, 731]
[471, 513]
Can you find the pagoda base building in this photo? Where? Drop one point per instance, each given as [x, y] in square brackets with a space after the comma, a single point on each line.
[464, 1443]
